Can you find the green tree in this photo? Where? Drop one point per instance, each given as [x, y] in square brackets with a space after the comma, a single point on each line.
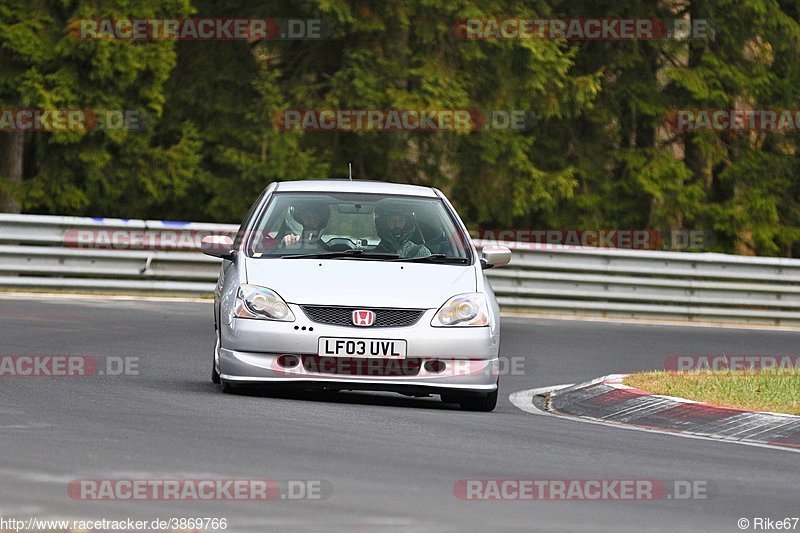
[599, 154]
[634, 172]
[228, 91]
[45, 66]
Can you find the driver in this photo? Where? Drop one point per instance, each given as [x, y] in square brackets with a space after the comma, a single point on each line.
[304, 223]
[395, 226]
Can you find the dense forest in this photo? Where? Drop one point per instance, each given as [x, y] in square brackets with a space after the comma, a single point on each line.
[597, 147]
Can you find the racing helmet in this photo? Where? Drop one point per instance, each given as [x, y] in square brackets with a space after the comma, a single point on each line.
[308, 215]
[387, 217]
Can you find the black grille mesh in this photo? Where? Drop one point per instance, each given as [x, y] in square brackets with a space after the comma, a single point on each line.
[343, 316]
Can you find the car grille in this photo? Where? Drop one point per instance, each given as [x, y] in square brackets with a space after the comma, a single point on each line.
[343, 316]
[350, 366]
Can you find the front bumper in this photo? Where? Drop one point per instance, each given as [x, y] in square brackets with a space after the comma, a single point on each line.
[250, 352]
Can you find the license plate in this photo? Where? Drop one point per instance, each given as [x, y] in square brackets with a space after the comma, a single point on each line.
[377, 348]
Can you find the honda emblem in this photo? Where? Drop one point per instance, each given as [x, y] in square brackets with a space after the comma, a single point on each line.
[363, 317]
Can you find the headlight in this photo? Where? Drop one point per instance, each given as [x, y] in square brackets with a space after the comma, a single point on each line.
[262, 303]
[463, 310]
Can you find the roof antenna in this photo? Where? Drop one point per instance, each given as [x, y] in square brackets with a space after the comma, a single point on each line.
[350, 167]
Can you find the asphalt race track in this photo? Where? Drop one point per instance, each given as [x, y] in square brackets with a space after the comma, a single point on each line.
[391, 461]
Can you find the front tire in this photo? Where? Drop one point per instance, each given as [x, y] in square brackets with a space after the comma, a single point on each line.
[484, 403]
[229, 388]
[214, 373]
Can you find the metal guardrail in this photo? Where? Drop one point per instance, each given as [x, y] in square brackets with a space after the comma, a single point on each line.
[633, 283]
[83, 254]
[71, 253]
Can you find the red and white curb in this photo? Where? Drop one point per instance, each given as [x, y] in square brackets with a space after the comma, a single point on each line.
[607, 401]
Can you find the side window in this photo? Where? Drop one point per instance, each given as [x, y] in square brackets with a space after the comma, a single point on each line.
[240, 235]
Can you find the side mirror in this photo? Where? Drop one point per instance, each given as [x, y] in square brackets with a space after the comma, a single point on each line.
[218, 246]
[495, 256]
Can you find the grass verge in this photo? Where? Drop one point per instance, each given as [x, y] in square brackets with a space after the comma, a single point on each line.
[776, 390]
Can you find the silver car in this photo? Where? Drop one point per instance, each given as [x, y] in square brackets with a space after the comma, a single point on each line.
[357, 285]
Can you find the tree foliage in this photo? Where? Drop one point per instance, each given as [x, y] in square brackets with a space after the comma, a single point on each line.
[598, 154]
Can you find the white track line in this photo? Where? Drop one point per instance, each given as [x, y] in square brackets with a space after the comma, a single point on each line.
[650, 321]
[122, 297]
[16, 295]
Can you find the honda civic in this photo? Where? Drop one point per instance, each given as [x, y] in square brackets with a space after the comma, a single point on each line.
[357, 285]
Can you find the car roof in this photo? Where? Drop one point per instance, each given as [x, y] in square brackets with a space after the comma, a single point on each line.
[344, 185]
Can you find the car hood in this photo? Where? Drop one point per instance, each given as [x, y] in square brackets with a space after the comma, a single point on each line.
[348, 282]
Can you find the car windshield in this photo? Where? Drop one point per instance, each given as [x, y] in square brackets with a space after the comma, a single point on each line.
[357, 226]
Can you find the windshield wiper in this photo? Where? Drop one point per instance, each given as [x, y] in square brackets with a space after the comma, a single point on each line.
[436, 258]
[361, 254]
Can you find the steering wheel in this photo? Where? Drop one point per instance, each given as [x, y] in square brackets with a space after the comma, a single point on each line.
[340, 244]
